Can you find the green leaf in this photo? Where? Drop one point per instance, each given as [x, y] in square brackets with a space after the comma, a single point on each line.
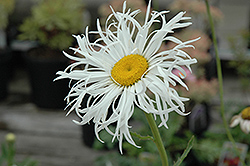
[4, 150]
[1, 160]
[185, 153]
[142, 137]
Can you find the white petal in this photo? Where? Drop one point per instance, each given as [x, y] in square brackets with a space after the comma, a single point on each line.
[91, 73]
[243, 126]
[235, 120]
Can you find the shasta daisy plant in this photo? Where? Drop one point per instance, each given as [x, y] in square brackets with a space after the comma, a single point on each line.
[127, 65]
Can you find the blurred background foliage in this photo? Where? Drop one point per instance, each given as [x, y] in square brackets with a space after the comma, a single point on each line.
[8, 153]
[6, 8]
[52, 23]
[242, 63]
[206, 150]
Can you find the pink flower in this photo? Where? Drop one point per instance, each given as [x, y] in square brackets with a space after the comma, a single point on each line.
[185, 73]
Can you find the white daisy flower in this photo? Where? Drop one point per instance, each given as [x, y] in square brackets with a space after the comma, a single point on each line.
[243, 119]
[125, 67]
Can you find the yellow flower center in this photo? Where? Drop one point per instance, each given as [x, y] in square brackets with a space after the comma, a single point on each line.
[245, 114]
[129, 69]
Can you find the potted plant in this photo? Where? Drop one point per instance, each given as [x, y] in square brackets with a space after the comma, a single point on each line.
[6, 8]
[51, 24]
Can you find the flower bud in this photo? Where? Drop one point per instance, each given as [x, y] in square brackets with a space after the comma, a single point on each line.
[10, 138]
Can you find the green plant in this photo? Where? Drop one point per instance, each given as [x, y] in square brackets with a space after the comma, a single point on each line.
[205, 149]
[8, 151]
[242, 59]
[6, 8]
[53, 22]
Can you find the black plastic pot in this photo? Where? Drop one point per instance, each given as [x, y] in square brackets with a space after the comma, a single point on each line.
[5, 58]
[42, 71]
[88, 134]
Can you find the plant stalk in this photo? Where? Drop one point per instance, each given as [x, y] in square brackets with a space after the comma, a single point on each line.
[157, 139]
[220, 78]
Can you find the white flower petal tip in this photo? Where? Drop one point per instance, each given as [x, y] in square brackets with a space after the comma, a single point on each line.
[118, 69]
[76, 122]
[235, 121]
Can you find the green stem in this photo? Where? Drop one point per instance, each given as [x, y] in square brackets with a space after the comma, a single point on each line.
[11, 153]
[157, 139]
[220, 78]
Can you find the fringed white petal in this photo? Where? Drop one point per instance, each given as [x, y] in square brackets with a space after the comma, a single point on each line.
[91, 77]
